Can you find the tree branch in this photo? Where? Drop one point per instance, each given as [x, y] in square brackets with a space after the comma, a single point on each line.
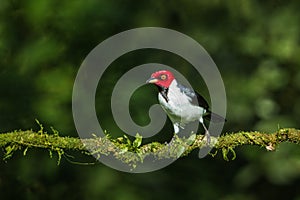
[122, 148]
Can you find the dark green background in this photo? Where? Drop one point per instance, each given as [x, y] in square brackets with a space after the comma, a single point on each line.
[255, 44]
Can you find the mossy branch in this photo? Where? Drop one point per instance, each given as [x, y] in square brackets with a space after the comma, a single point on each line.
[122, 148]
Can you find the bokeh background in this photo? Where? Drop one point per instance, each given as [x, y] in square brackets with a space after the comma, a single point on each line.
[255, 44]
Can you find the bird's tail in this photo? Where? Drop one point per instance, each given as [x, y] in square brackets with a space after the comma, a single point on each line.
[213, 117]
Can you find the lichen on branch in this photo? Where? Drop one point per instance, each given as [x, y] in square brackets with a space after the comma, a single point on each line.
[123, 148]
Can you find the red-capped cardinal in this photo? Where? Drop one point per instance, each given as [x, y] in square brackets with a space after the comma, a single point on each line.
[182, 104]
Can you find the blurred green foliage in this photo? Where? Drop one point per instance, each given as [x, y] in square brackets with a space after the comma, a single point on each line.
[255, 44]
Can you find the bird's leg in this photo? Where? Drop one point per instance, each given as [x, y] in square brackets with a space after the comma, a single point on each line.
[207, 135]
[176, 128]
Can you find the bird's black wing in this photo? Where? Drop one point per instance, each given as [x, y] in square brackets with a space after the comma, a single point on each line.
[196, 99]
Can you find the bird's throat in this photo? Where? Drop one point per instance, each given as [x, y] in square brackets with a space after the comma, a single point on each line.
[164, 92]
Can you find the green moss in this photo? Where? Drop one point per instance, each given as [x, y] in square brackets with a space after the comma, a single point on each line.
[133, 152]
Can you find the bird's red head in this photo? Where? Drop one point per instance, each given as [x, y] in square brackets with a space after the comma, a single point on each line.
[161, 78]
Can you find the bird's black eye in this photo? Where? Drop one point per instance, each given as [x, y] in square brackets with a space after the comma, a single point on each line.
[163, 77]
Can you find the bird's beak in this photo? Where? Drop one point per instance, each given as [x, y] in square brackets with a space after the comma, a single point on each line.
[152, 80]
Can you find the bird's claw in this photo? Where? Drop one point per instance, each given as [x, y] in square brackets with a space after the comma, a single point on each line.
[207, 137]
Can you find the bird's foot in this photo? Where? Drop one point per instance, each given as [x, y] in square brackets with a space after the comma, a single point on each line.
[207, 137]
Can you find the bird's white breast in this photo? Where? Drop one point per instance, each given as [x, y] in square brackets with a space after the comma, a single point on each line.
[179, 107]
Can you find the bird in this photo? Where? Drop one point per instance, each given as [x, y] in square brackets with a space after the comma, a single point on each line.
[182, 104]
